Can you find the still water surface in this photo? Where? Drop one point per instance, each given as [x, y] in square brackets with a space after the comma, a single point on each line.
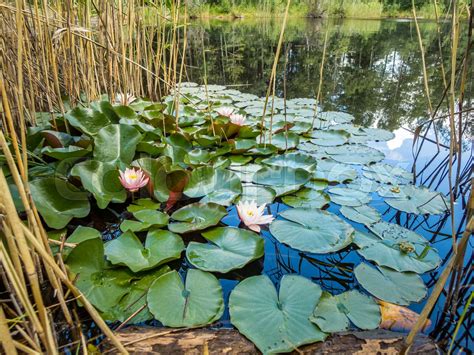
[373, 70]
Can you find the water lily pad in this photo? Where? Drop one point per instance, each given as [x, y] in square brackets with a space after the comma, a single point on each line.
[361, 214]
[160, 247]
[116, 144]
[334, 172]
[102, 287]
[196, 216]
[143, 204]
[292, 160]
[260, 194]
[333, 313]
[102, 180]
[58, 201]
[152, 217]
[276, 322]
[283, 140]
[363, 184]
[216, 185]
[196, 303]
[355, 154]
[87, 120]
[396, 247]
[329, 137]
[275, 175]
[400, 288]
[312, 231]
[245, 172]
[307, 198]
[135, 300]
[387, 174]
[336, 117]
[71, 151]
[413, 199]
[317, 185]
[229, 248]
[348, 197]
[134, 226]
[82, 233]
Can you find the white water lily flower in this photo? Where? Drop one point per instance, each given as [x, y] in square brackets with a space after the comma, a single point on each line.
[237, 119]
[133, 179]
[124, 99]
[252, 216]
[225, 111]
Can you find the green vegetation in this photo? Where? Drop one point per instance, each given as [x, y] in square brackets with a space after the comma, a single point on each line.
[316, 8]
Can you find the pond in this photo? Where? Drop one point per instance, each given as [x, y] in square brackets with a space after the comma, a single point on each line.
[373, 70]
[346, 168]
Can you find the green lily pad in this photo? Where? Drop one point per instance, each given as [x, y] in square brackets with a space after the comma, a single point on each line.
[135, 300]
[196, 303]
[160, 247]
[116, 144]
[71, 151]
[236, 160]
[143, 204]
[245, 172]
[283, 140]
[333, 313]
[102, 287]
[307, 198]
[152, 217]
[363, 184]
[81, 234]
[396, 247]
[355, 154]
[317, 185]
[280, 176]
[348, 197]
[87, 120]
[102, 180]
[387, 174]
[196, 216]
[216, 185]
[276, 322]
[336, 117]
[312, 231]
[134, 226]
[260, 194]
[329, 137]
[229, 248]
[292, 160]
[400, 288]
[58, 201]
[334, 172]
[361, 214]
[413, 199]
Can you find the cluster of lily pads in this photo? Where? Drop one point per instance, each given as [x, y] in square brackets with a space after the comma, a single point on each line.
[190, 163]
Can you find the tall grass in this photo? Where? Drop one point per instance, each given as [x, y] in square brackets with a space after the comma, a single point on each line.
[56, 54]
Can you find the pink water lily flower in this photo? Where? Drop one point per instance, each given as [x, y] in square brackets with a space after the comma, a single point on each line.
[225, 111]
[238, 119]
[133, 179]
[252, 216]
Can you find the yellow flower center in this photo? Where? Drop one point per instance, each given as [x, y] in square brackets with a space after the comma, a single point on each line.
[250, 213]
[133, 176]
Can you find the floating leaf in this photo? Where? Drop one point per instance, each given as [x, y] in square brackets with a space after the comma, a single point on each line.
[292, 160]
[116, 144]
[71, 151]
[143, 204]
[355, 154]
[387, 174]
[134, 226]
[276, 322]
[152, 217]
[245, 172]
[160, 247]
[329, 137]
[102, 287]
[361, 214]
[275, 175]
[334, 172]
[307, 198]
[135, 300]
[58, 201]
[333, 313]
[400, 288]
[412, 199]
[87, 120]
[229, 248]
[317, 185]
[196, 216]
[336, 117]
[216, 185]
[102, 180]
[81, 234]
[260, 194]
[312, 231]
[348, 197]
[397, 248]
[196, 303]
